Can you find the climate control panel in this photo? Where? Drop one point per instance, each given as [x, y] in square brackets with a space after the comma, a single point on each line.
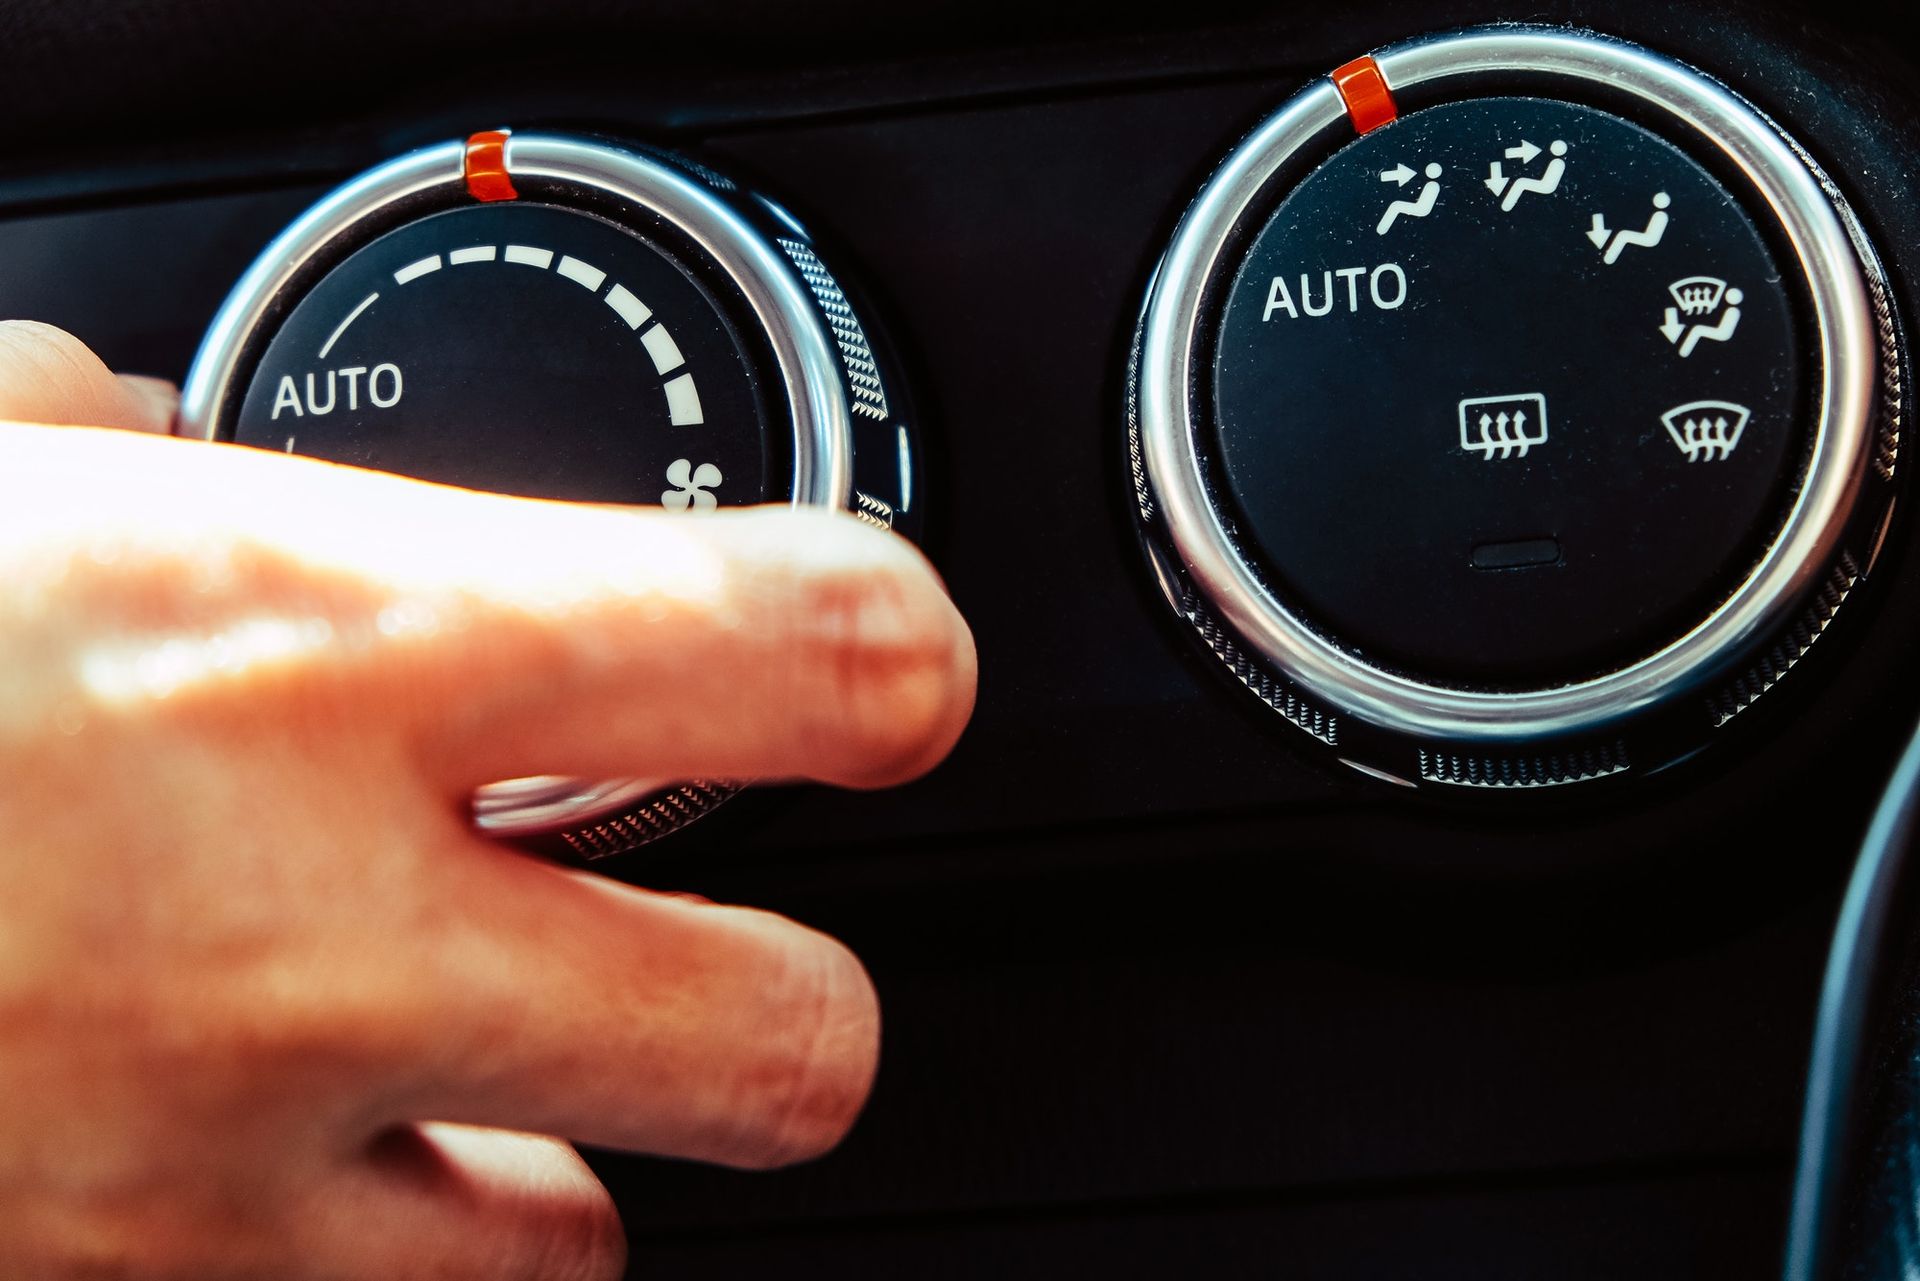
[1513, 408]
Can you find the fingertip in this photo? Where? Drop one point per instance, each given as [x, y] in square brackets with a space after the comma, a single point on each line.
[907, 672]
[762, 644]
[872, 627]
[643, 1021]
[818, 1092]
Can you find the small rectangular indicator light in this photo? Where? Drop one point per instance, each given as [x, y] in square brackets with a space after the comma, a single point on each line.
[665, 352]
[530, 256]
[415, 270]
[581, 273]
[631, 309]
[1523, 553]
[683, 401]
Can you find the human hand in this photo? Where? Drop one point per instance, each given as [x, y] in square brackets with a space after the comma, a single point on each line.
[268, 1007]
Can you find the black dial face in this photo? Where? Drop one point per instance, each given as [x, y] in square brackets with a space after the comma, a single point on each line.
[1509, 391]
[528, 349]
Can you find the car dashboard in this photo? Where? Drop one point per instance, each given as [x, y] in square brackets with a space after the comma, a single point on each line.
[1170, 987]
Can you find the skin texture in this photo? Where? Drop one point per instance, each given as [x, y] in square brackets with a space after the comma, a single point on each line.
[268, 1007]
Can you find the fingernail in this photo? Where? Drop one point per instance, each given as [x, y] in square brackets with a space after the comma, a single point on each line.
[157, 402]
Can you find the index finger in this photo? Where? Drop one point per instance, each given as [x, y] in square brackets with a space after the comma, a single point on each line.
[765, 643]
[495, 637]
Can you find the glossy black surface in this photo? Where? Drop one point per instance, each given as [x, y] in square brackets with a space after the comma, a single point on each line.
[1165, 992]
[1426, 362]
[1855, 1189]
[483, 347]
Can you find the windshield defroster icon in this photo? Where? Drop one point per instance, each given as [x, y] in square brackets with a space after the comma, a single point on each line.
[1706, 430]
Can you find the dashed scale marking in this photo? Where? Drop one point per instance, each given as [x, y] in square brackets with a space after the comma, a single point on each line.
[683, 401]
[415, 270]
[580, 273]
[630, 309]
[683, 398]
[665, 352]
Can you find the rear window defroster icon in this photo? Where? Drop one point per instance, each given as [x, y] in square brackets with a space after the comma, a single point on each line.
[1503, 426]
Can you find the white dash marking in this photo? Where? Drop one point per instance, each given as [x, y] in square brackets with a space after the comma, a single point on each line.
[573, 269]
[415, 270]
[665, 352]
[683, 401]
[474, 253]
[341, 328]
[289, 444]
[529, 256]
[906, 470]
[631, 309]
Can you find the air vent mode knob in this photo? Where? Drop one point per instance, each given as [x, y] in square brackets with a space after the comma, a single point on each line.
[1514, 408]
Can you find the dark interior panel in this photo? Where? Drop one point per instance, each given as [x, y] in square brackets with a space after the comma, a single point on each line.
[1167, 993]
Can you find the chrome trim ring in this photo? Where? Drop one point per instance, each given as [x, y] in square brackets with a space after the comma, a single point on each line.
[554, 802]
[204, 395]
[1808, 539]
